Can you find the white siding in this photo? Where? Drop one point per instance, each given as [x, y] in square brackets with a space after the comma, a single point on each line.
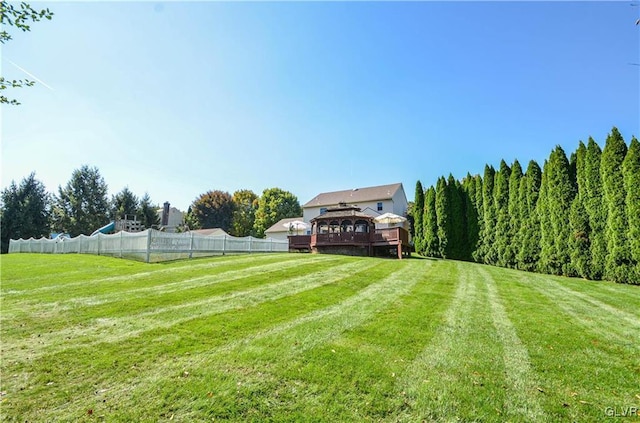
[400, 204]
[280, 236]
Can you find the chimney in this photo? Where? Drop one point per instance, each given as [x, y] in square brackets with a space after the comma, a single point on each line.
[165, 214]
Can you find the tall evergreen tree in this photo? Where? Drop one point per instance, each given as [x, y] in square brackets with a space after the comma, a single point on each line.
[471, 216]
[515, 216]
[593, 200]
[488, 251]
[443, 218]
[124, 203]
[456, 224]
[477, 251]
[501, 198]
[560, 191]
[579, 238]
[530, 236]
[148, 212]
[631, 172]
[547, 247]
[418, 208]
[618, 265]
[25, 211]
[430, 225]
[580, 171]
[82, 205]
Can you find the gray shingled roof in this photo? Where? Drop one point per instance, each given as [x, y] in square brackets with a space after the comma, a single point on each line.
[354, 196]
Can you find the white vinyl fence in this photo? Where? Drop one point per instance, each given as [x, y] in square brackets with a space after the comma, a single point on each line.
[149, 246]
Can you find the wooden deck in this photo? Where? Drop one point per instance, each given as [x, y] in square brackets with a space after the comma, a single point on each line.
[379, 242]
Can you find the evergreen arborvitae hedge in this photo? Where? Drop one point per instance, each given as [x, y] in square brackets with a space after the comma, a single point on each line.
[501, 198]
[488, 253]
[577, 217]
[430, 225]
[442, 218]
[596, 209]
[418, 207]
[579, 240]
[618, 264]
[456, 226]
[529, 248]
[631, 174]
[515, 215]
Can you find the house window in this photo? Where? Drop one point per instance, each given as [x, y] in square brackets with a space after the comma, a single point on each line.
[380, 206]
[323, 210]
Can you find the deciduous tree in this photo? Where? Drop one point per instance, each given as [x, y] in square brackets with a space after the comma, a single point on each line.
[245, 205]
[275, 204]
[18, 17]
[213, 209]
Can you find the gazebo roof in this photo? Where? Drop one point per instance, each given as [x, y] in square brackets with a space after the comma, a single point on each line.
[341, 212]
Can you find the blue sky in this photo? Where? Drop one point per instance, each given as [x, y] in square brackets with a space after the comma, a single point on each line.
[177, 98]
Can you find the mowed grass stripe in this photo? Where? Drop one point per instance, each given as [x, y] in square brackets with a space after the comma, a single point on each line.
[354, 374]
[322, 325]
[581, 370]
[94, 319]
[457, 366]
[255, 362]
[83, 304]
[135, 362]
[107, 327]
[522, 384]
[605, 323]
[559, 289]
[148, 278]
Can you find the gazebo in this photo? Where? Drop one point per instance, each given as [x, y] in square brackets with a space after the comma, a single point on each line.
[347, 230]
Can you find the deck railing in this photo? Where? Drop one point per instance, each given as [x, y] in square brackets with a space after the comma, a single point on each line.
[385, 235]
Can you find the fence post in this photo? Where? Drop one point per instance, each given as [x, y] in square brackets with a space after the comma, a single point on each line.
[148, 246]
[224, 244]
[191, 247]
[121, 244]
[250, 241]
[271, 245]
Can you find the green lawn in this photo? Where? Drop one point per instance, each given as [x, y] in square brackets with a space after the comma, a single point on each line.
[301, 337]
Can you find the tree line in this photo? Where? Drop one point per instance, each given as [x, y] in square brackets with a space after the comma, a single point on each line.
[575, 216]
[244, 213]
[82, 205]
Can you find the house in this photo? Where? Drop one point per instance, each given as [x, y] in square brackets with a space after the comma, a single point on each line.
[170, 217]
[347, 230]
[372, 201]
[283, 228]
[343, 222]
